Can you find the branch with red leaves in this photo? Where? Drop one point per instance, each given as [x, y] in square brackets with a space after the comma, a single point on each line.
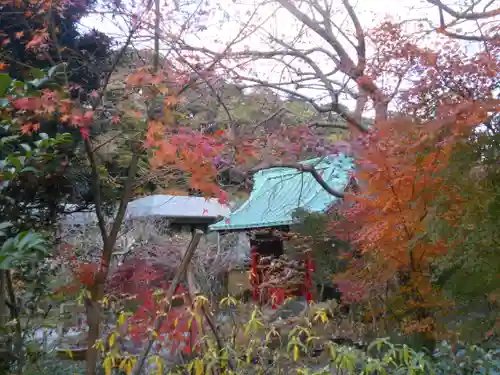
[181, 271]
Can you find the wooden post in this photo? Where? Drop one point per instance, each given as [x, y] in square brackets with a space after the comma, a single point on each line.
[60, 325]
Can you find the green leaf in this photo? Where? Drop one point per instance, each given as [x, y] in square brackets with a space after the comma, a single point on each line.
[16, 161]
[4, 262]
[30, 241]
[38, 82]
[10, 138]
[4, 102]
[26, 147]
[18, 84]
[5, 81]
[29, 169]
[57, 70]
[5, 225]
[36, 73]
[7, 176]
[7, 246]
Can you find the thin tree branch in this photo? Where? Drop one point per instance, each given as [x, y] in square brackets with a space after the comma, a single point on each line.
[331, 107]
[465, 15]
[15, 315]
[305, 168]
[96, 187]
[181, 271]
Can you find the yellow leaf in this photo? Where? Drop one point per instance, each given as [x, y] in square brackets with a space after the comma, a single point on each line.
[296, 352]
[99, 345]
[112, 340]
[108, 365]
[121, 318]
[159, 365]
[198, 367]
[123, 364]
[129, 368]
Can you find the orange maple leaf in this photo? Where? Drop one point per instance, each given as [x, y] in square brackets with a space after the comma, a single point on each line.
[29, 128]
[40, 37]
[156, 80]
[170, 101]
[138, 78]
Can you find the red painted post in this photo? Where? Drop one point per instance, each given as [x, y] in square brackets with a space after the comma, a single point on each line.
[308, 277]
[281, 295]
[277, 297]
[253, 274]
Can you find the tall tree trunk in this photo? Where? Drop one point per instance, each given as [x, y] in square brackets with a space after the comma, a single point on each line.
[109, 240]
[419, 314]
[92, 305]
[3, 299]
[4, 339]
[14, 308]
[93, 312]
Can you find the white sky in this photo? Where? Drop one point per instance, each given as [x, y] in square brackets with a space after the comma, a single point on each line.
[225, 21]
[228, 16]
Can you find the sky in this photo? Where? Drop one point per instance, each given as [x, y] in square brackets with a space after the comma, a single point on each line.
[229, 15]
[227, 18]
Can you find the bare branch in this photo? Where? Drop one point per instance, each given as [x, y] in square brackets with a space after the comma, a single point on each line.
[302, 168]
[331, 107]
[465, 15]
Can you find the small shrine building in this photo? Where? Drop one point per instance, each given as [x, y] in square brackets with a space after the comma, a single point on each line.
[277, 194]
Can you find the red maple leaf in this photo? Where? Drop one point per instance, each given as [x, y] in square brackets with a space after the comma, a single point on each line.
[223, 197]
[84, 132]
[29, 128]
[40, 37]
[28, 104]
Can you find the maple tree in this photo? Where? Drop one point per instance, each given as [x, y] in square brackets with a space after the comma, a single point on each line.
[402, 164]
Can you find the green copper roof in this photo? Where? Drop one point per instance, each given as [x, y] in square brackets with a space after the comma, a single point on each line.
[278, 192]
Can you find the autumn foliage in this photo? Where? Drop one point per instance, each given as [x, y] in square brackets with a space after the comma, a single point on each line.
[429, 95]
[144, 282]
[401, 165]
